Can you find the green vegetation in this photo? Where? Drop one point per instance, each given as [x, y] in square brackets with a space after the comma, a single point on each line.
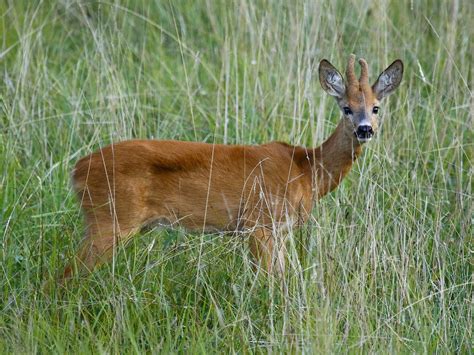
[386, 264]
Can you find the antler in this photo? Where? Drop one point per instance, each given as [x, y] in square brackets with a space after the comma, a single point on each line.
[364, 74]
[350, 74]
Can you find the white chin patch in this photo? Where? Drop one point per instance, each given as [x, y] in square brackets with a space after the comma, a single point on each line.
[364, 140]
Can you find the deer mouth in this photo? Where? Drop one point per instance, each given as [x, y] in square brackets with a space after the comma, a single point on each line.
[363, 137]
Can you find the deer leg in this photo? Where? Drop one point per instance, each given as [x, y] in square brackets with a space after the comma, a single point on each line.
[267, 251]
[97, 248]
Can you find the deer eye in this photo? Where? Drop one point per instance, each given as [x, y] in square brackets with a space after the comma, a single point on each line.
[347, 111]
[375, 110]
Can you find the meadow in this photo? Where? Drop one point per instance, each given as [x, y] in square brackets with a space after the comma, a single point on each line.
[384, 265]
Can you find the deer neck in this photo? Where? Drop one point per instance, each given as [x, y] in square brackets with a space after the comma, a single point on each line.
[331, 161]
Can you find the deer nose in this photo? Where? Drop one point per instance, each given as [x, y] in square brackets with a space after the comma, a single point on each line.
[365, 132]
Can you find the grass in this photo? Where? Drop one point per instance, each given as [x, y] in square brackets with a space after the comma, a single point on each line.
[385, 264]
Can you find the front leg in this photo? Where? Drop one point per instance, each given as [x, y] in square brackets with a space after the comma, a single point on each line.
[268, 251]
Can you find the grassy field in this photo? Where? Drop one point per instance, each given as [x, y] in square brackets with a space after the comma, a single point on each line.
[385, 264]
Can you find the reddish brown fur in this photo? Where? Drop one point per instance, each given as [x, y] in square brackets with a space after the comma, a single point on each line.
[204, 187]
[128, 185]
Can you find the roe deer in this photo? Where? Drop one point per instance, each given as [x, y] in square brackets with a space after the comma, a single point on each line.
[261, 189]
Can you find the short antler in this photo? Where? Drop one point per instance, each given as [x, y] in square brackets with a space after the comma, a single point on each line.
[364, 73]
[350, 74]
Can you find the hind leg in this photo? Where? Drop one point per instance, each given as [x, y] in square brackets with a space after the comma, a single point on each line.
[99, 245]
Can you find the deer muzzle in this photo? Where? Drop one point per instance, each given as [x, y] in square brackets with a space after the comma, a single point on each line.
[364, 133]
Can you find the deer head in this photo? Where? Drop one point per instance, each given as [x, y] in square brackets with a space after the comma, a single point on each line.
[358, 101]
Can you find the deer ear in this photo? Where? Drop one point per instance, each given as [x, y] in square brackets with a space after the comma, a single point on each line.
[331, 80]
[388, 80]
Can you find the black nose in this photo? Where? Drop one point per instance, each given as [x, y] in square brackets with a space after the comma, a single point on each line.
[365, 131]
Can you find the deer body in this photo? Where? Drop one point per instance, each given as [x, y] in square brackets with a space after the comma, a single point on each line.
[260, 190]
[202, 187]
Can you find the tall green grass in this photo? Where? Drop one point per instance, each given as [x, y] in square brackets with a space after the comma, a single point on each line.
[385, 264]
